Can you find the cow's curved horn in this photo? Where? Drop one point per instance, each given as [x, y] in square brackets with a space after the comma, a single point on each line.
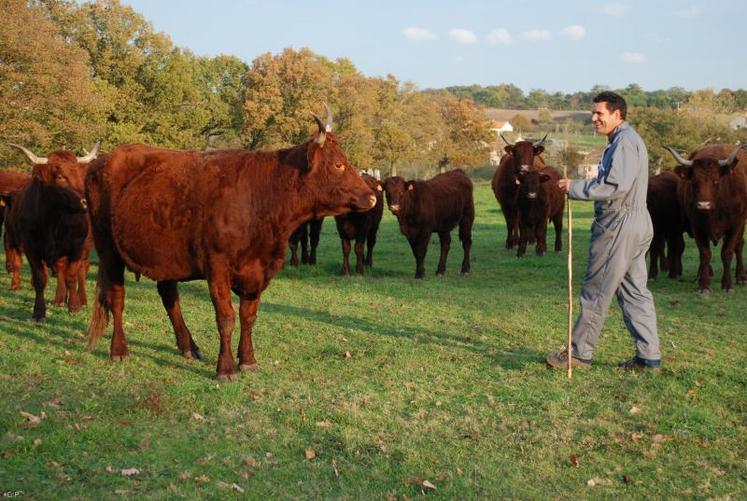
[34, 159]
[730, 158]
[678, 157]
[540, 143]
[90, 155]
[328, 123]
[507, 141]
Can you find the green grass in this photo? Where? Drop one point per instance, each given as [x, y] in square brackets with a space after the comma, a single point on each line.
[444, 382]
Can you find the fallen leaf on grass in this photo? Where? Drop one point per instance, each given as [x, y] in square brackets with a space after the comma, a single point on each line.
[635, 437]
[348, 354]
[627, 479]
[310, 454]
[31, 420]
[7, 454]
[37, 442]
[202, 479]
[144, 443]
[660, 438]
[574, 460]
[250, 461]
[130, 472]
[184, 476]
[55, 402]
[123, 422]
[472, 435]
[237, 487]
[635, 410]
[197, 417]
[323, 424]
[425, 483]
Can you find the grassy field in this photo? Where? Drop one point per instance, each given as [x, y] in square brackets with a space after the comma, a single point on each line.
[382, 387]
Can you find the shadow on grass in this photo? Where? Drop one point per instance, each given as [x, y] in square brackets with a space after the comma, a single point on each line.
[510, 359]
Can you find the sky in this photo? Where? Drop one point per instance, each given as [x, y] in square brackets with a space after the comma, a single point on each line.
[564, 46]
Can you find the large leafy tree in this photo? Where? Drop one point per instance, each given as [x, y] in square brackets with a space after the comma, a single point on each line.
[49, 99]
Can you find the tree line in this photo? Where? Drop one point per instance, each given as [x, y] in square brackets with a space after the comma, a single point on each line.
[72, 73]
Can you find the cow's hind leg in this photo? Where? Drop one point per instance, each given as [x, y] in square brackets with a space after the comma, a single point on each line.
[557, 222]
[60, 268]
[465, 235]
[71, 284]
[345, 256]
[82, 275]
[359, 258]
[247, 316]
[220, 293]
[169, 293]
[741, 276]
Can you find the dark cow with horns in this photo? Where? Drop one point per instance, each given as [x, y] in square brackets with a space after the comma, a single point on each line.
[434, 206]
[713, 193]
[519, 158]
[223, 216]
[669, 223]
[540, 199]
[361, 227]
[48, 221]
[10, 184]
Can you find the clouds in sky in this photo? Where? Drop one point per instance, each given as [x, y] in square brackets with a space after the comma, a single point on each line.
[462, 36]
[633, 57]
[691, 12]
[418, 34]
[497, 36]
[575, 32]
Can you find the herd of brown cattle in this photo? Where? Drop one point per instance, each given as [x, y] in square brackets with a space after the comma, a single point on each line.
[227, 217]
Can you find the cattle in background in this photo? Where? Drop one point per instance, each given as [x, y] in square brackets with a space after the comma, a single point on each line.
[10, 183]
[519, 158]
[307, 234]
[713, 193]
[223, 216]
[669, 223]
[361, 227]
[433, 206]
[540, 199]
[48, 220]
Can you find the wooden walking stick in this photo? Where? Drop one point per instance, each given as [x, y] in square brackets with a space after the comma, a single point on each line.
[570, 278]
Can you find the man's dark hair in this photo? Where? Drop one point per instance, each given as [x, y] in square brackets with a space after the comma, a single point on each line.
[613, 102]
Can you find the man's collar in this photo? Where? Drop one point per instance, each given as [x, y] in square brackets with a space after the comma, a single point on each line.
[623, 125]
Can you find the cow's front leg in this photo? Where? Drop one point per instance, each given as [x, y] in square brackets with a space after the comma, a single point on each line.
[704, 270]
[247, 316]
[39, 276]
[419, 246]
[359, 258]
[345, 256]
[220, 293]
[541, 235]
[730, 243]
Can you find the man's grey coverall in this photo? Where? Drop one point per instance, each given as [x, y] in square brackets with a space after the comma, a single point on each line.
[620, 236]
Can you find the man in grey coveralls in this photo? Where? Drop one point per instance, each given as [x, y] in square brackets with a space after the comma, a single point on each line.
[620, 236]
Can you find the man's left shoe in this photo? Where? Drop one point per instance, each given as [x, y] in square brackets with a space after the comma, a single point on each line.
[640, 364]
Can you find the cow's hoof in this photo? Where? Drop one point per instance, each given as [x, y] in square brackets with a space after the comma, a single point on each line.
[39, 320]
[119, 358]
[704, 292]
[249, 367]
[58, 304]
[224, 378]
[729, 290]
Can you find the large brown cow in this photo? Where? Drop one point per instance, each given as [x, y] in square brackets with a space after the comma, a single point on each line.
[10, 183]
[519, 158]
[307, 234]
[48, 220]
[540, 199]
[361, 227]
[713, 193]
[434, 206]
[669, 221]
[223, 216]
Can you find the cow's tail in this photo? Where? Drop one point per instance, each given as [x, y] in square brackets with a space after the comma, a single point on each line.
[101, 309]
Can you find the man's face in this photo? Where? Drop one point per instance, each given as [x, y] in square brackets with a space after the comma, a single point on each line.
[604, 122]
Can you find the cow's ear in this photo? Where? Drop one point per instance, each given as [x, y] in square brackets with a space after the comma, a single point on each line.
[544, 178]
[683, 172]
[410, 186]
[313, 156]
[508, 148]
[538, 149]
[516, 180]
[379, 187]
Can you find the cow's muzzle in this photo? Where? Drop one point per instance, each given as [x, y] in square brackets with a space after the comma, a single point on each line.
[531, 196]
[394, 208]
[704, 206]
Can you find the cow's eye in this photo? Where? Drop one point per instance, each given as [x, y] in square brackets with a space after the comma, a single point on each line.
[340, 166]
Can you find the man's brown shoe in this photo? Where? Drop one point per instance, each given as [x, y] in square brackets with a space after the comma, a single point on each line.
[560, 361]
[640, 364]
